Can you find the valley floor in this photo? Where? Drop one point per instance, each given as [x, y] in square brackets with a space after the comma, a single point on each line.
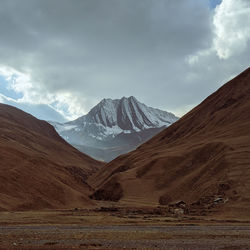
[111, 229]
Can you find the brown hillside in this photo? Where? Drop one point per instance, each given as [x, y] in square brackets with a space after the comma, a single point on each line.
[38, 169]
[203, 156]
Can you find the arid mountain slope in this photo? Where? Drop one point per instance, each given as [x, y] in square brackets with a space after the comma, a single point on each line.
[203, 156]
[38, 169]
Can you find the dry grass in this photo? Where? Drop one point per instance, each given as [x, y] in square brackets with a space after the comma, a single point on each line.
[129, 216]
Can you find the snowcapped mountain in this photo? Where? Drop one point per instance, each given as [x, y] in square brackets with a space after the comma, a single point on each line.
[114, 127]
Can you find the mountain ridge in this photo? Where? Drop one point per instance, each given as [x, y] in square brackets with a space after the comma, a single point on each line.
[117, 112]
[114, 127]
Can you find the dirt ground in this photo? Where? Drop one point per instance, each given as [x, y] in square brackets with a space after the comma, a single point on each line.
[112, 228]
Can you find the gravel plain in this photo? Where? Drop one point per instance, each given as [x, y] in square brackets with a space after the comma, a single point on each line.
[124, 236]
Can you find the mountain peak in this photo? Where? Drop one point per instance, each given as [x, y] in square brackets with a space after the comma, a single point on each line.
[132, 98]
[109, 100]
[129, 98]
[105, 100]
[114, 127]
[127, 114]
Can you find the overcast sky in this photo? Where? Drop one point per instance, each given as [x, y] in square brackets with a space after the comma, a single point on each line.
[69, 54]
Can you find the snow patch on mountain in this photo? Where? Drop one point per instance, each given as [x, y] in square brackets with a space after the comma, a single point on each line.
[113, 117]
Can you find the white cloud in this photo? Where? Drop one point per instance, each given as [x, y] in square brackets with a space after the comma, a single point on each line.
[21, 83]
[166, 53]
[34, 94]
[89, 50]
[227, 54]
[232, 27]
[40, 111]
[195, 58]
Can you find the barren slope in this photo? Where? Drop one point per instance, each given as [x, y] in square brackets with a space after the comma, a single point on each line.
[205, 154]
[38, 169]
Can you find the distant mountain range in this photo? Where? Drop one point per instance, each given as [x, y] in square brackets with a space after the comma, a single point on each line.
[114, 127]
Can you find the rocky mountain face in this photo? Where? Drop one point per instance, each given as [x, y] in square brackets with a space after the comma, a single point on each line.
[202, 161]
[38, 169]
[114, 127]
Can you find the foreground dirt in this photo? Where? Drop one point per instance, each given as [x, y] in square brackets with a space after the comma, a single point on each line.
[112, 229]
[129, 236]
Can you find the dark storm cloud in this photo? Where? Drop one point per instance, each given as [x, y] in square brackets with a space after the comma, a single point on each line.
[109, 48]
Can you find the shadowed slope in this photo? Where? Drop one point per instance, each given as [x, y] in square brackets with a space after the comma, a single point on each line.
[204, 154]
[38, 168]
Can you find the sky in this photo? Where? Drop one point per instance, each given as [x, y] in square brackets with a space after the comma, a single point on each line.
[59, 58]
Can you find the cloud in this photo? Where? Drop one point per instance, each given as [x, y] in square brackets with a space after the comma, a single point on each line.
[60, 104]
[228, 54]
[41, 111]
[232, 27]
[71, 54]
